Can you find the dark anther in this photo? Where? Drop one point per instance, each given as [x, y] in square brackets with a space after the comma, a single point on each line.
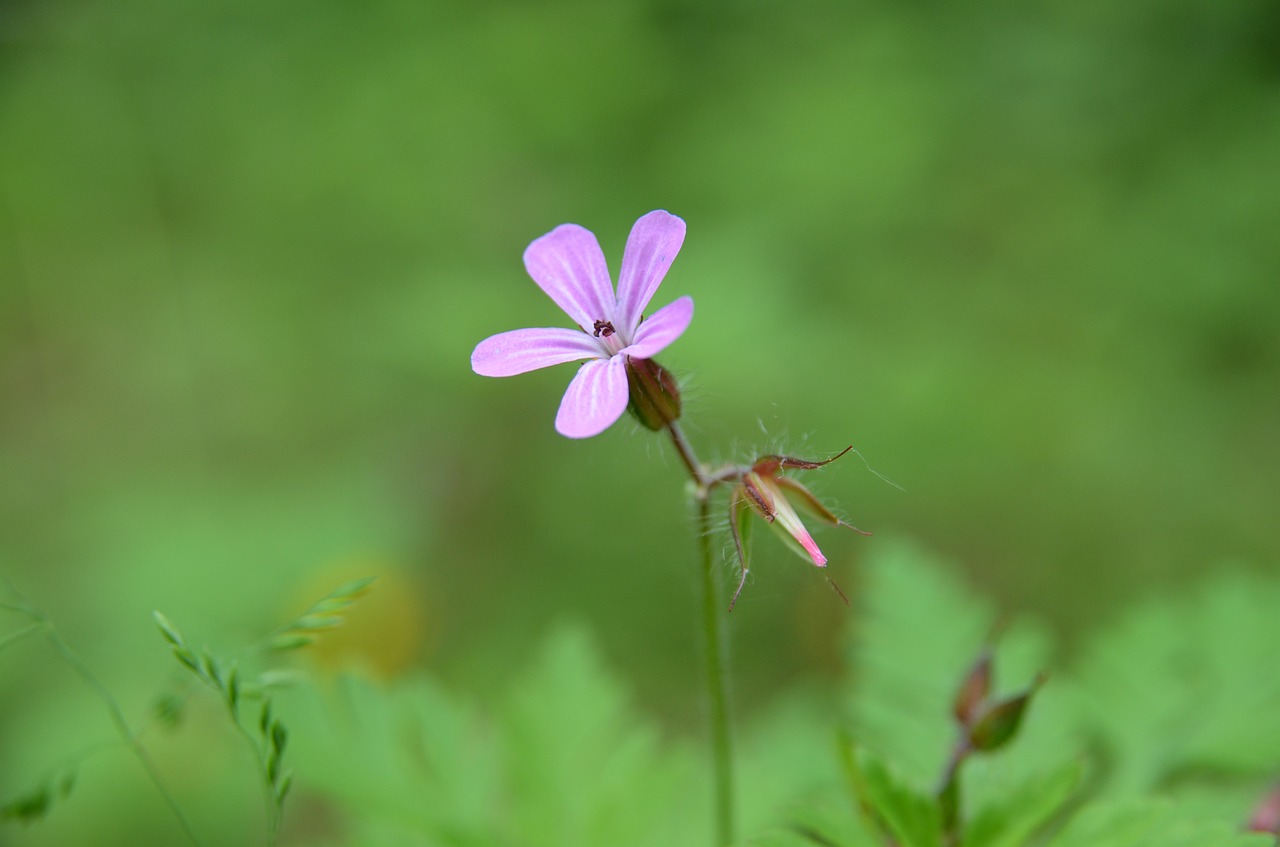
[603, 328]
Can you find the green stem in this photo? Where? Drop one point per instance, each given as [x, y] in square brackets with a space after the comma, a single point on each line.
[122, 727]
[127, 735]
[715, 640]
[686, 455]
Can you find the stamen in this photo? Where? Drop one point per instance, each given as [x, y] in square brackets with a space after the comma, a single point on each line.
[603, 328]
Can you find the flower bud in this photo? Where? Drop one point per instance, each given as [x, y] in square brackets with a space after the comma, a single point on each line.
[654, 395]
[973, 691]
[999, 724]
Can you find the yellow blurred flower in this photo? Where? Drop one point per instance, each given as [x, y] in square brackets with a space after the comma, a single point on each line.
[385, 632]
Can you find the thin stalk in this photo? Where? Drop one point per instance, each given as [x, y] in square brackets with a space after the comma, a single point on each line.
[686, 454]
[714, 645]
[714, 638]
[127, 735]
[122, 727]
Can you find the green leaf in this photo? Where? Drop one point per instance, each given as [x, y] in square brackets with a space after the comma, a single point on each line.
[914, 646]
[317, 622]
[28, 807]
[584, 768]
[19, 634]
[788, 767]
[268, 680]
[282, 791]
[233, 691]
[791, 838]
[564, 760]
[168, 709]
[189, 659]
[168, 630]
[279, 736]
[816, 825]
[405, 760]
[1151, 823]
[997, 726]
[347, 593]
[35, 804]
[1185, 685]
[1010, 821]
[291, 641]
[910, 817]
[322, 615]
[211, 668]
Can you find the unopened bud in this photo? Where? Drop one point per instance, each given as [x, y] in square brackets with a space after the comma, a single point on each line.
[654, 395]
[973, 691]
[998, 725]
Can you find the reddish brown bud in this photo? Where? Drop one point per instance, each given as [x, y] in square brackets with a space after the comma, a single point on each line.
[973, 691]
[654, 395]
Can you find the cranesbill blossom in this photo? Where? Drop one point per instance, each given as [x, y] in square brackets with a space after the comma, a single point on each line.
[569, 266]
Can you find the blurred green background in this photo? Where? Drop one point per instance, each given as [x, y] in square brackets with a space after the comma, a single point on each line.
[1023, 256]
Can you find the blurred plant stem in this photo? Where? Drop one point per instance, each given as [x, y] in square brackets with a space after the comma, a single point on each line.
[715, 636]
[127, 735]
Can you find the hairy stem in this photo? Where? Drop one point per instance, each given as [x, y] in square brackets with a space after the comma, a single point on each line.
[714, 638]
[686, 454]
[714, 644]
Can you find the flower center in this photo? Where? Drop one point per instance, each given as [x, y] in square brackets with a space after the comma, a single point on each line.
[610, 339]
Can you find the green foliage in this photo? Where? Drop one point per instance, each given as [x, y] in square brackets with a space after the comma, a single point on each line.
[905, 815]
[10, 638]
[267, 736]
[908, 652]
[325, 614]
[1187, 686]
[1011, 820]
[583, 769]
[562, 760]
[1152, 823]
[998, 724]
[1115, 749]
[268, 742]
[1132, 691]
[35, 804]
[816, 825]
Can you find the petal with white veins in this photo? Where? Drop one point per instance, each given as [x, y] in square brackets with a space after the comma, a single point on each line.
[523, 350]
[652, 246]
[595, 399]
[569, 266]
[661, 328]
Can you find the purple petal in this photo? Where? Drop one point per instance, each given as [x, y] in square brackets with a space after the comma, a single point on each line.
[523, 350]
[652, 246]
[568, 264]
[661, 328]
[595, 399]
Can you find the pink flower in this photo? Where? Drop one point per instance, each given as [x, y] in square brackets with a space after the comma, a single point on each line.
[569, 266]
